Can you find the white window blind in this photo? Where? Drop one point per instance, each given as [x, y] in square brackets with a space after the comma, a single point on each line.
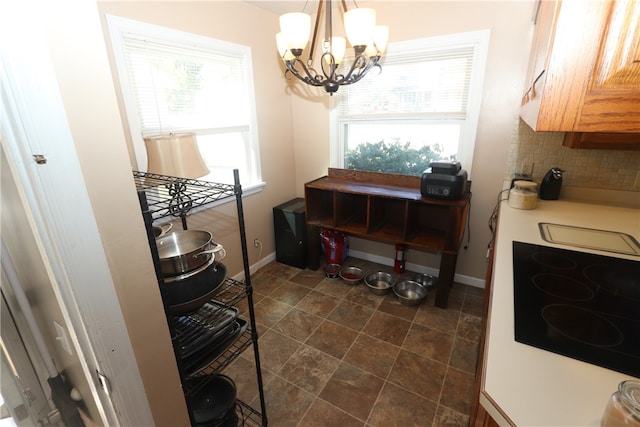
[428, 84]
[173, 81]
[179, 87]
[422, 106]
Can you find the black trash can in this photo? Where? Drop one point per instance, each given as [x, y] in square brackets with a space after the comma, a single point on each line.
[291, 233]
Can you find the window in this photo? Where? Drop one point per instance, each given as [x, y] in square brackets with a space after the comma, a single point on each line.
[423, 106]
[173, 81]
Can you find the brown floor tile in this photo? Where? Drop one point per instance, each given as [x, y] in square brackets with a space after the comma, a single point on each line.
[332, 338]
[456, 297]
[308, 278]
[324, 414]
[464, 355]
[351, 315]
[391, 305]
[333, 287]
[269, 311]
[277, 270]
[337, 355]
[387, 328]
[352, 390]
[419, 375]
[243, 373]
[440, 319]
[447, 417]
[289, 293]
[474, 290]
[429, 343]
[473, 304]
[372, 355]
[318, 304]
[458, 390]
[280, 396]
[359, 294]
[297, 324]
[309, 369]
[275, 350]
[469, 327]
[264, 284]
[397, 407]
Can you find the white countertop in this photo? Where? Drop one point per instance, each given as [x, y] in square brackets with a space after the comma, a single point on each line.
[530, 386]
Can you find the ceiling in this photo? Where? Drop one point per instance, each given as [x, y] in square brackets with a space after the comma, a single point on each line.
[285, 6]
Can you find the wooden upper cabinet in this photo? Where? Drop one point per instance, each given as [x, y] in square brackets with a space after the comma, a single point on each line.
[584, 71]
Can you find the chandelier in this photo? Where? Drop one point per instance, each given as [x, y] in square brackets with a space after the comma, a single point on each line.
[368, 41]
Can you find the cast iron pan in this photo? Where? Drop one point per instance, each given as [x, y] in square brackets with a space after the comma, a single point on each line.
[213, 401]
[189, 294]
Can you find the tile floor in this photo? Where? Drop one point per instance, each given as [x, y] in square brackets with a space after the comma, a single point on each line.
[334, 354]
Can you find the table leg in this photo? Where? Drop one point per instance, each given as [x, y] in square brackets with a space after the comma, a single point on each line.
[313, 237]
[445, 281]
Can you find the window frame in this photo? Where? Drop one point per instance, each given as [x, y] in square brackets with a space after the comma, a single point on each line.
[120, 27]
[479, 40]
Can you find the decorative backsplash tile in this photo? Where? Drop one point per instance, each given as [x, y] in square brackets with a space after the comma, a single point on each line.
[603, 169]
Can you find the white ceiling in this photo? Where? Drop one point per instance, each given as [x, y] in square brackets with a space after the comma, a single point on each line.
[285, 6]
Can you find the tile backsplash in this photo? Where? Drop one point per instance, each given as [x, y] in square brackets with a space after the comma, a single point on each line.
[602, 169]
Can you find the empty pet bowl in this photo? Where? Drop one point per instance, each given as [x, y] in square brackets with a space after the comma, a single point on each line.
[379, 283]
[409, 292]
[351, 275]
[426, 280]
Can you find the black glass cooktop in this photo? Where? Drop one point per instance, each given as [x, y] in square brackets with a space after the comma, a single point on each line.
[584, 306]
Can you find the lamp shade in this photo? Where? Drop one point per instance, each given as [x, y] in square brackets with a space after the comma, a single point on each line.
[359, 24]
[380, 40]
[337, 48]
[175, 154]
[295, 28]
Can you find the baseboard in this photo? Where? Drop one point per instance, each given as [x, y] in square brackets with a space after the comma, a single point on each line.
[257, 266]
[459, 278]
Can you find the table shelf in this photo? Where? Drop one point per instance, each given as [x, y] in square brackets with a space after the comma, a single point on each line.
[388, 208]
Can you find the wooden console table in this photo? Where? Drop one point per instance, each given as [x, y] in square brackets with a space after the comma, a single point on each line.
[387, 208]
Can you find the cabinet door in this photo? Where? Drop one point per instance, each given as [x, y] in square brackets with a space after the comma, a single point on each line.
[591, 78]
[540, 49]
[614, 91]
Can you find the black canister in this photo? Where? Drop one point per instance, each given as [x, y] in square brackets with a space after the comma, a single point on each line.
[550, 185]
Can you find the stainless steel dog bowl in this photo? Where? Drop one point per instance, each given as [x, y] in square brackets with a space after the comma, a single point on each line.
[426, 280]
[351, 275]
[379, 283]
[410, 292]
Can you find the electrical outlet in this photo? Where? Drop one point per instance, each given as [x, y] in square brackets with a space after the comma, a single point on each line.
[257, 243]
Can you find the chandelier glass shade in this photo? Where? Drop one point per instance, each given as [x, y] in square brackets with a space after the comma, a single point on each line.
[367, 39]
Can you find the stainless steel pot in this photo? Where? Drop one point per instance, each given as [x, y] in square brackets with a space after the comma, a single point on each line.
[183, 251]
[161, 230]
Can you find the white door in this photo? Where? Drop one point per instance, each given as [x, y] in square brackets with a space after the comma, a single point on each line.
[33, 121]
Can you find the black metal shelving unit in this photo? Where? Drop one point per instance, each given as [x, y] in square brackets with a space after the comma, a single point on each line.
[164, 196]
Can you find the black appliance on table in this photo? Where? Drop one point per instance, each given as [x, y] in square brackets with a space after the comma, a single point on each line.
[444, 180]
[577, 304]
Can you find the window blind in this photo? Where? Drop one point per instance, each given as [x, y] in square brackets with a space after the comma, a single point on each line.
[421, 85]
[178, 87]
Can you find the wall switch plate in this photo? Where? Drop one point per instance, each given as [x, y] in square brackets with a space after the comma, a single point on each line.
[61, 337]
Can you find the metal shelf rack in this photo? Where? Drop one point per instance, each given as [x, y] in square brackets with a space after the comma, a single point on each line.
[164, 196]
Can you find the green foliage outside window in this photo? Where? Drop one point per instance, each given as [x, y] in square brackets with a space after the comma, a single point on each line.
[392, 157]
